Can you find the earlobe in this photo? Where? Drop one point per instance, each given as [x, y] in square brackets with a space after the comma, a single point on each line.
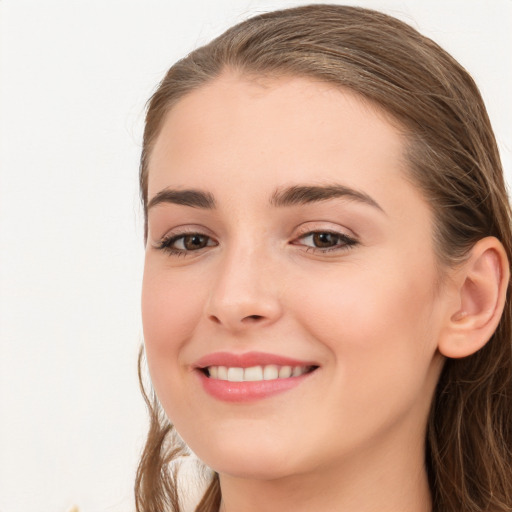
[481, 287]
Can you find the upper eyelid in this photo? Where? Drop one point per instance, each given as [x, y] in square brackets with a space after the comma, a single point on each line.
[332, 231]
[320, 227]
[326, 231]
[181, 234]
[166, 244]
[348, 239]
[178, 231]
[302, 230]
[177, 236]
[346, 242]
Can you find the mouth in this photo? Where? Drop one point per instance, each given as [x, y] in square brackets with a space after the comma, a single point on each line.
[256, 373]
[251, 376]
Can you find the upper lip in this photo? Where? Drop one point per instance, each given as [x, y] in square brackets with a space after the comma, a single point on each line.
[248, 359]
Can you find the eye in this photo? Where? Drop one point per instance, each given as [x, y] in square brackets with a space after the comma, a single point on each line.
[325, 241]
[184, 243]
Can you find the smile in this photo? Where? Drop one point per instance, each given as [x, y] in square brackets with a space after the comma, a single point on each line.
[251, 376]
[255, 373]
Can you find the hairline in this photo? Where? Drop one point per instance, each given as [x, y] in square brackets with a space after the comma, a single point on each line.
[266, 77]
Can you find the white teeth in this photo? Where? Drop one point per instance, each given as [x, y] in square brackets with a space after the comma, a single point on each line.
[235, 374]
[270, 372]
[285, 372]
[255, 373]
[298, 371]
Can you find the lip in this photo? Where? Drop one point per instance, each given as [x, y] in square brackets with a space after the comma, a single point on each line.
[248, 359]
[243, 392]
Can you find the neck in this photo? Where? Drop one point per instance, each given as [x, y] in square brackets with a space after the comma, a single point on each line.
[390, 481]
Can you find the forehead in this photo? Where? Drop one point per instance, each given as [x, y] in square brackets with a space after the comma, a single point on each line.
[263, 133]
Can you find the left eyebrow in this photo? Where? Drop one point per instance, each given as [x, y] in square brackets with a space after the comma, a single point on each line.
[190, 197]
[304, 194]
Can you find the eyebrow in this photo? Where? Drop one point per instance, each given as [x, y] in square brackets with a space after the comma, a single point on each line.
[305, 194]
[190, 197]
[282, 197]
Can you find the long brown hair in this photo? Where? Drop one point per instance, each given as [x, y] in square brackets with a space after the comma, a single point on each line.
[453, 159]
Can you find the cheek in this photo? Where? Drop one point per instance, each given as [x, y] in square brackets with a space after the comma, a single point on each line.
[171, 309]
[370, 320]
[380, 334]
[170, 312]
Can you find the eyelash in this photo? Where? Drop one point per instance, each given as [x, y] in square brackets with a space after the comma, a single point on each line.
[166, 244]
[345, 242]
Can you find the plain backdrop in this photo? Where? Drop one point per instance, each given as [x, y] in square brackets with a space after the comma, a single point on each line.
[75, 76]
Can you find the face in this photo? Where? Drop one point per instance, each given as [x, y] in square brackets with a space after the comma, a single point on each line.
[290, 305]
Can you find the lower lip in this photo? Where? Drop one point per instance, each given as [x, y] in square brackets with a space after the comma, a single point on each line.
[248, 391]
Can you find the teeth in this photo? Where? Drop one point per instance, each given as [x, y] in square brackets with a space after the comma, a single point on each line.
[255, 373]
[285, 372]
[222, 373]
[235, 374]
[270, 372]
[297, 371]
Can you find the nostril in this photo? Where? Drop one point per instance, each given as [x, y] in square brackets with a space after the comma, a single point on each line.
[214, 319]
[252, 318]
[247, 319]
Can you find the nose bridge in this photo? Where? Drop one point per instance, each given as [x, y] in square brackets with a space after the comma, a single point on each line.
[244, 291]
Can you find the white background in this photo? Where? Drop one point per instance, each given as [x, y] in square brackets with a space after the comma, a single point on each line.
[75, 75]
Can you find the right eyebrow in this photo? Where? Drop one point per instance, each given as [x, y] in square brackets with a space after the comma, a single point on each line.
[189, 197]
[305, 194]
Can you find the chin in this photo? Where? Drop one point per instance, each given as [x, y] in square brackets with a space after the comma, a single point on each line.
[247, 457]
[247, 468]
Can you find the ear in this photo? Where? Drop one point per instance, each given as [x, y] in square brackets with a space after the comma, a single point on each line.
[479, 298]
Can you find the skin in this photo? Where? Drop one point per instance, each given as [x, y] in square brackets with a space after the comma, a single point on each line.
[351, 436]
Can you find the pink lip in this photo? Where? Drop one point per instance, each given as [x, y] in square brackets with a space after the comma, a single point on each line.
[248, 391]
[248, 359]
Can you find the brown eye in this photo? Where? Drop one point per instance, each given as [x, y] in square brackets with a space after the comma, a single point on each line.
[324, 240]
[193, 242]
[180, 245]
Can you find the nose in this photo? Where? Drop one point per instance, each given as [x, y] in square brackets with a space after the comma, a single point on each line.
[245, 293]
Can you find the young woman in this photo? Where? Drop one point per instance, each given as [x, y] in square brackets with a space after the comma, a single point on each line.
[326, 289]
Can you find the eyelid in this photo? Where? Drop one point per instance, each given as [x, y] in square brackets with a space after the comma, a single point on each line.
[183, 230]
[346, 242]
[165, 242]
[343, 236]
[324, 227]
